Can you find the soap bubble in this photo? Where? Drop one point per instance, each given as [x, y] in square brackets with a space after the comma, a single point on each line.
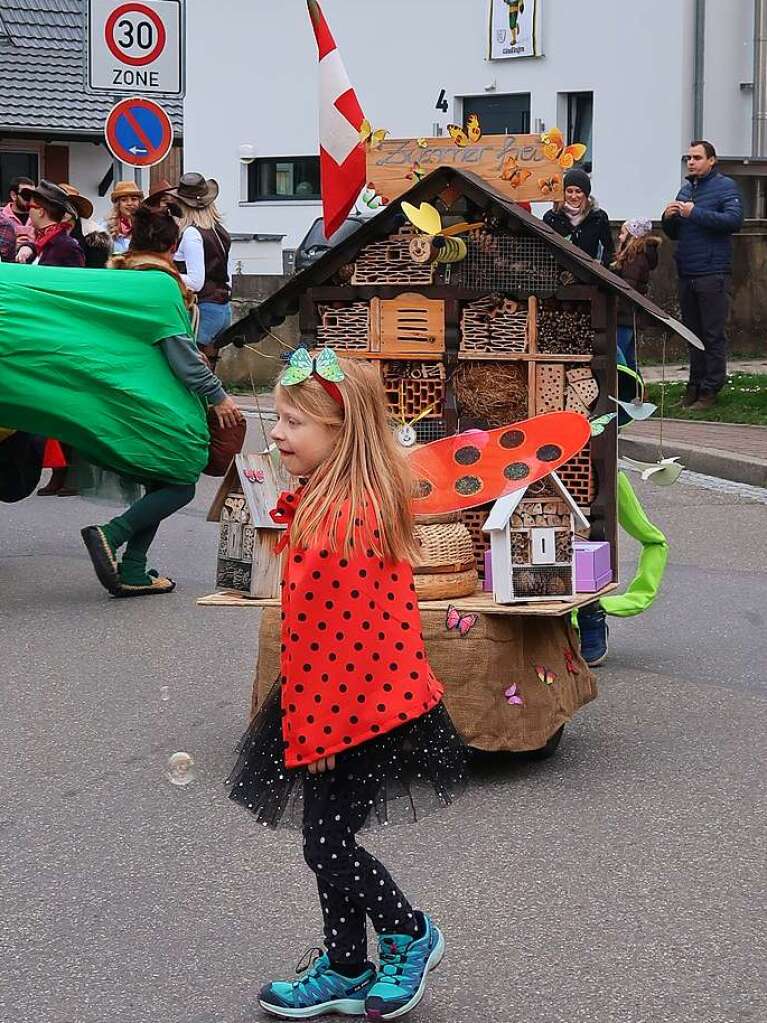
[181, 769]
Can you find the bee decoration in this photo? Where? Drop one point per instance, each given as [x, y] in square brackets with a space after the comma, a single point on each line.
[435, 244]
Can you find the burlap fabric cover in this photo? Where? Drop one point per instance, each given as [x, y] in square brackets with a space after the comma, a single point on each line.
[478, 668]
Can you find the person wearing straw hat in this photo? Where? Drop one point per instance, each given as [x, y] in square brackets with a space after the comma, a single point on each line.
[126, 195]
[203, 255]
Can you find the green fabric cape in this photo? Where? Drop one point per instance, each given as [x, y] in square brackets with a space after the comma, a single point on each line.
[79, 362]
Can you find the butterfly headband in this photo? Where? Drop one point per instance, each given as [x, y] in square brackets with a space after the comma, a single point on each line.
[325, 369]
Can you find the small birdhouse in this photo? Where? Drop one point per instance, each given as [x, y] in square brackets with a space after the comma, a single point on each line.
[531, 542]
[248, 535]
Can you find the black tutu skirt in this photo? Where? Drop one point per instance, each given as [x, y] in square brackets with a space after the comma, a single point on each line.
[399, 776]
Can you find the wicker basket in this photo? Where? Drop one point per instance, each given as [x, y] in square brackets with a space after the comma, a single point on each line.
[449, 586]
[433, 520]
[444, 548]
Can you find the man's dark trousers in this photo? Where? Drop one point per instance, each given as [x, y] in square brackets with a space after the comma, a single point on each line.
[705, 302]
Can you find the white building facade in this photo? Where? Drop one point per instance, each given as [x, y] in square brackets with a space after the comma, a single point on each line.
[618, 75]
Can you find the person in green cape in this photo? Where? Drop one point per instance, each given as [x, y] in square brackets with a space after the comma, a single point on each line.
[106, 361]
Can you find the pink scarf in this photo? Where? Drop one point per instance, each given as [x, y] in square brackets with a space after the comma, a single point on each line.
[575, 214]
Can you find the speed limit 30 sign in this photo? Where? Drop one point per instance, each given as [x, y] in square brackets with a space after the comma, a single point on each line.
[136, 46]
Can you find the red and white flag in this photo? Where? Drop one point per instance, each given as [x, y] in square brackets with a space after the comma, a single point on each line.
[342, 155]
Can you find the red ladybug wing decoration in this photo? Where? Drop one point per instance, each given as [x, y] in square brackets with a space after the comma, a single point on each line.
[479, 466]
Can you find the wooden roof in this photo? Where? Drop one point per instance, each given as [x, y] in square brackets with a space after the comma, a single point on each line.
[254, 327]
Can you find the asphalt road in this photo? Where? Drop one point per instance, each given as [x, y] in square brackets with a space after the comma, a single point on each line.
[621, 882]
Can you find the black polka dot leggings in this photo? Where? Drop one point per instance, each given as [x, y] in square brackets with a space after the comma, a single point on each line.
[352, 884]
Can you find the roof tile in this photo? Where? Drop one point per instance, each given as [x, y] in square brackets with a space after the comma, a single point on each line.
[47, 93]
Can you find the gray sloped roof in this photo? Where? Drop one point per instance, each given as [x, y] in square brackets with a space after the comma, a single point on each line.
[42, 71]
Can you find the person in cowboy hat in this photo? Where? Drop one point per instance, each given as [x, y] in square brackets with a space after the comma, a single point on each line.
[203, 256]
[158, 197]
[52, 215]
[126, 196]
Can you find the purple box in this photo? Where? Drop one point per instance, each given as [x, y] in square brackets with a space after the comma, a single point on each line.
[593, 568]
[487, 585]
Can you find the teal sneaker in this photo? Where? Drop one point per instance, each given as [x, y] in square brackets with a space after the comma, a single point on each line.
[405, 966]
[319, 991]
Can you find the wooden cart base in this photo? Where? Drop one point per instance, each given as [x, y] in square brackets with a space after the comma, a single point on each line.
[477, 669]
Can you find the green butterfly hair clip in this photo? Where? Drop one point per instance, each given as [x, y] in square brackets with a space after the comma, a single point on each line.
[326, 369]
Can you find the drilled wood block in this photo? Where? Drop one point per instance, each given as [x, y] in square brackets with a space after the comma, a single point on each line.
[549, 387]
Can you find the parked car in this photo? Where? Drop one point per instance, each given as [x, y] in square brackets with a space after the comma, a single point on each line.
[315, 244]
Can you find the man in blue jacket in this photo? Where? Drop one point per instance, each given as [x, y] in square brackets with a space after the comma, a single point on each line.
[707, 210]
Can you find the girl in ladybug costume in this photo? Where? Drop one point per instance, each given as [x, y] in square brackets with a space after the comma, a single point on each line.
[356, 717]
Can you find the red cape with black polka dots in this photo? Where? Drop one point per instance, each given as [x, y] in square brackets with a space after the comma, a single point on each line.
[353, 664]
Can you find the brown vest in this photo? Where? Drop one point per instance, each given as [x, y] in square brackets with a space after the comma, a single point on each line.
[216, 245]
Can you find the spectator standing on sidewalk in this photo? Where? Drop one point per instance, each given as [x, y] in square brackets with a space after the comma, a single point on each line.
[580, 220]
[705, 214]
[203, 256]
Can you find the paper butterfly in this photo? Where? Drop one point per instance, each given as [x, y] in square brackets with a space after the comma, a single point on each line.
[372, 199]
[302, 366]
[554, 148]
[367, 134]
[598, 425]
[544, 675]
[572, 667]
[416, 172]
[463, 623]
[463, 138]
[255, 475]
[512, 695]
[513, 173]
[549, 185]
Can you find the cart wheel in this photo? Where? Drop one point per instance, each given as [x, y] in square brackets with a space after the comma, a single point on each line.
[549, 749]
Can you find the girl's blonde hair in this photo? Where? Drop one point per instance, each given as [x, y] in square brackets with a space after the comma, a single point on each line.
[365, 473]
[206, 218]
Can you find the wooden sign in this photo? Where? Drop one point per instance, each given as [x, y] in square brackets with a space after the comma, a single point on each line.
[515, 165]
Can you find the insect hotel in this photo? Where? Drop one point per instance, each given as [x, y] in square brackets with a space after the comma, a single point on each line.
[247, 562]
[477, 315]
[532, 532]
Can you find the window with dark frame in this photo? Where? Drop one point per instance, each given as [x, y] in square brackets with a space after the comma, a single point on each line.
[17, 165]
[284, 178]
[506, 114]
[580, 123]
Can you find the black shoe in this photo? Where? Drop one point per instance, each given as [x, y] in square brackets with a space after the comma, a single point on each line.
[103, 558]
[689, 397]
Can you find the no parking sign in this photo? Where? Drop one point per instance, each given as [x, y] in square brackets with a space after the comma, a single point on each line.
[136, 46]
[138, 132]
